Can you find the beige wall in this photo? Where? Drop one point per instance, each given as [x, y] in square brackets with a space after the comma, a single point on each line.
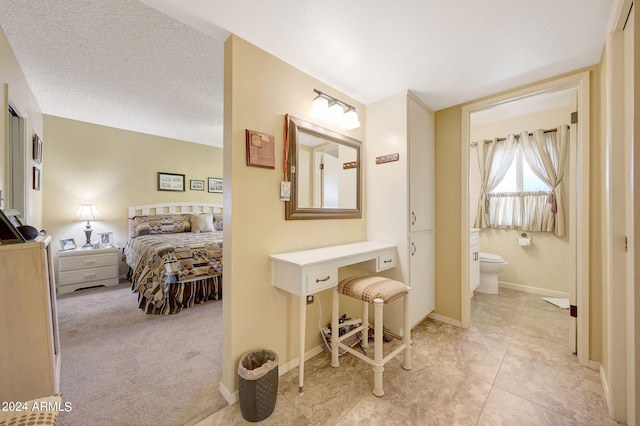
[15, 91]
[114, 169]
[543, 264]
[448, 207]
[259, 90]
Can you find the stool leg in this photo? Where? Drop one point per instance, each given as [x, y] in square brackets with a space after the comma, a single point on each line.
[378, 368]
[365, 323]
[406, 336]
[335, 332]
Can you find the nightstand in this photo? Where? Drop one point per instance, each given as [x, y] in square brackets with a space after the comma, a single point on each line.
[81, 268]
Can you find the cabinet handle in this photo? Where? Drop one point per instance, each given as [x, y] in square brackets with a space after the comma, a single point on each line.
[413, 249]
[89, 262]
[413, 218]
[318, 280]
[89, 275]
[387, 261]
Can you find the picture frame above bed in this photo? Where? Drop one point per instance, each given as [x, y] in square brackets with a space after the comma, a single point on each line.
[170, 182]
[196, 185]
[215, 185]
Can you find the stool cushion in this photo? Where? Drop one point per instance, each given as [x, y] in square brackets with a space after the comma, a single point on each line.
[370, 287]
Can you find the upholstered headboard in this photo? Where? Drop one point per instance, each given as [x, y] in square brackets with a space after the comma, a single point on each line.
[170, 208]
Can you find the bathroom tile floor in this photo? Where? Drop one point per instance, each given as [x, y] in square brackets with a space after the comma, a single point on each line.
[511, 367]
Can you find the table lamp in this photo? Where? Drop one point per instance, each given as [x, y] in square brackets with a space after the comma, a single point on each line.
[88, 212]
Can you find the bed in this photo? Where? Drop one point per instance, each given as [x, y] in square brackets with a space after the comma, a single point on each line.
[174, 254]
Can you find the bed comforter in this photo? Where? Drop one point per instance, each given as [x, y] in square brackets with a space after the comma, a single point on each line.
[174, 271]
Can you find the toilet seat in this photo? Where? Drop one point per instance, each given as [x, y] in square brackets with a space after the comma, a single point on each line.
[490, 258]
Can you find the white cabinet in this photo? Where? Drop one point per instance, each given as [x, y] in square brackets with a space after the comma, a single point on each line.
[30, 354]
[82, 268]
[474, 260]
[400, 197]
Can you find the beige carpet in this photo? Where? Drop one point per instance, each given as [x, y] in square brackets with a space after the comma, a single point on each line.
[122, 367]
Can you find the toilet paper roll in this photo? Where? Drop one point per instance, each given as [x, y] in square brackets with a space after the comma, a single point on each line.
[524, 242]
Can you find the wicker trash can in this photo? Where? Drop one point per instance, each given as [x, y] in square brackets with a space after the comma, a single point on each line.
[258, 384]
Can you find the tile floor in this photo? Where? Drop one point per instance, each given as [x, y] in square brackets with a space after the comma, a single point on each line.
[511, 367]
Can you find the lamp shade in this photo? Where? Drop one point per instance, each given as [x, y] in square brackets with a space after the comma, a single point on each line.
[320, 107]
[350, 120]
[87, 212]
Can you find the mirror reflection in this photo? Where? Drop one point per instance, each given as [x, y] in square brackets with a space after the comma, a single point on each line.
[325, 173]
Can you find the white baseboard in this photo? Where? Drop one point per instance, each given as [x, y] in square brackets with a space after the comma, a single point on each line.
[444, 319]
[535, 290]
[232, 397]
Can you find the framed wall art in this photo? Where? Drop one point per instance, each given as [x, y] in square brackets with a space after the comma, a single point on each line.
[215, 185]
[37, 149]
[170, 182]
[36, 178]
[260, 149]
[196, 185]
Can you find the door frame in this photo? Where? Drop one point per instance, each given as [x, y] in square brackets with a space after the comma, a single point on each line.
[618, 286]
[579, 226]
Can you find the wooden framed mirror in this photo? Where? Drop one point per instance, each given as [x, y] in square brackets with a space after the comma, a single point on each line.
[325, 173]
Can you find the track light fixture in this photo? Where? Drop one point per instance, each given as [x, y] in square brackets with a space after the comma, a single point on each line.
[334, 110]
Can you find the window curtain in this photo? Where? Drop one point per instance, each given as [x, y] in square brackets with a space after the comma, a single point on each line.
[494, 159]
[546, 154]
[528, 211]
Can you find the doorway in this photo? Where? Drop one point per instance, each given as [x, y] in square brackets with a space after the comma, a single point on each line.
[578, 200]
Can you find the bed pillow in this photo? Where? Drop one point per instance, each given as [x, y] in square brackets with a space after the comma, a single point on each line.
[217, 222]
[161, 224]
[202, 222]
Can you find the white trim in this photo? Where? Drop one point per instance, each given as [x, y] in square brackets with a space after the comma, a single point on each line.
[231, 398]
[533, 290]
[579, 226]
[444, 319]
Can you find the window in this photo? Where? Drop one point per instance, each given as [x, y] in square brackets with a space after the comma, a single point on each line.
[520, 177]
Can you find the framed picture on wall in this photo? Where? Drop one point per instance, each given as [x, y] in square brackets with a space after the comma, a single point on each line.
[37, 149]
[36, 178]
[196, 185]
[170, 182]
[215, 185]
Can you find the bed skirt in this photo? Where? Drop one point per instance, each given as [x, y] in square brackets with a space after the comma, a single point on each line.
[182, 295]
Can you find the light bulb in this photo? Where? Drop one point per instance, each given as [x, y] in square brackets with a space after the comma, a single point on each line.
[320, 107]
[350, 120]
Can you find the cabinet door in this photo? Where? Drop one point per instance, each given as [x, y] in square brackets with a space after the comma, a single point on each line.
[421, 167]
[421, 275]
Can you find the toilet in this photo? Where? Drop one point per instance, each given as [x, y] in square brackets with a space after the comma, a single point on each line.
[490, 266]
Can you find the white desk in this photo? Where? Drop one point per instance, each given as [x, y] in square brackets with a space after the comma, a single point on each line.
[310, 271]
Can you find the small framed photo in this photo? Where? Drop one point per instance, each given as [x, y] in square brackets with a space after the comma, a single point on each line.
[105, 239]
[37, 149]
[196, 185]
[36, 178]
[170, 182]
[68, 244]
[260, 149]
[215, 185]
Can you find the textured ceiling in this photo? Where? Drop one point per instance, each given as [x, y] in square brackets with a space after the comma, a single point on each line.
[119, 63]
[125, 64]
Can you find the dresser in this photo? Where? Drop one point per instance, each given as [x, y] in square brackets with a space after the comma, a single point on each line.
[87, 267]
[29, 338]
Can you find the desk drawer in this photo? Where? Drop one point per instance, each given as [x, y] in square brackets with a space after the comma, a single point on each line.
[318, 281]
[88, 261]
[87, 275]
[386, 261]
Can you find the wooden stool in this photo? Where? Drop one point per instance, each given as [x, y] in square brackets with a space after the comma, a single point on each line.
[376, 290]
